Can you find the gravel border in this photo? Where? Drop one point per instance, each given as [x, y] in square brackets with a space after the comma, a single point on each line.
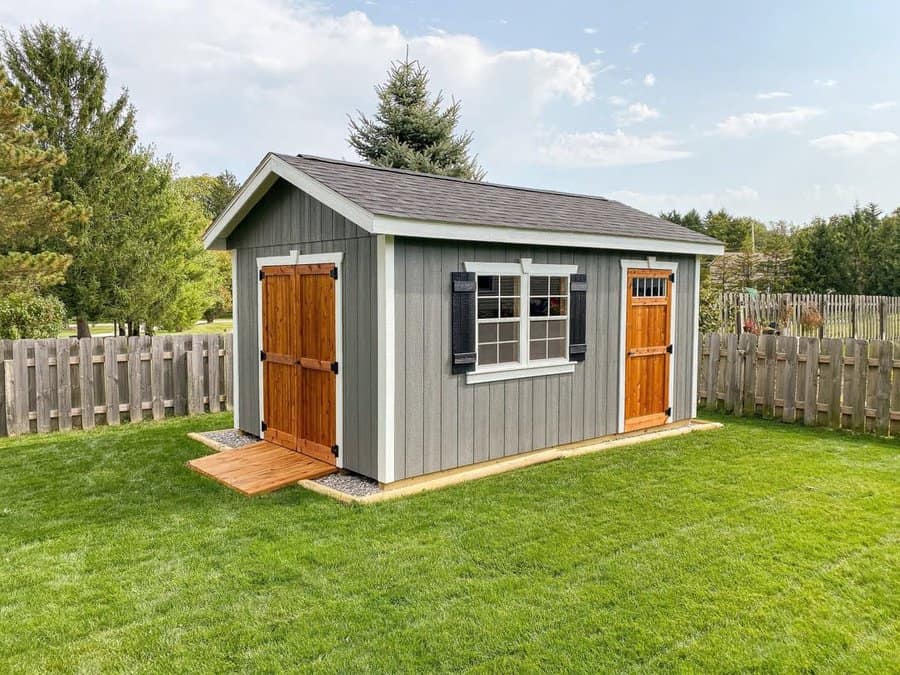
[233, 438]
[350, 484]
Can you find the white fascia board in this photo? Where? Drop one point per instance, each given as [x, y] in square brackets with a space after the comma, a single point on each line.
[408, 227]
[524, 266]
[259, 182]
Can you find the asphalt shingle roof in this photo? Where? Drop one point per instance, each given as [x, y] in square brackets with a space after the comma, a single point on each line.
[408, 194]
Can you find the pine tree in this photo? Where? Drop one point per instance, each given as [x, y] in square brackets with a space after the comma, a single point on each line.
[411, 131]
[34, 220]
[63, 80]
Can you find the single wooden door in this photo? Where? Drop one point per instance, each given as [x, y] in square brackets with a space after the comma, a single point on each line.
[648, 348]
[299, 358]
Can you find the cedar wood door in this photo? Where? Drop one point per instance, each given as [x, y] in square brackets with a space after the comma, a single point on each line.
[299, 351]
[647, 348]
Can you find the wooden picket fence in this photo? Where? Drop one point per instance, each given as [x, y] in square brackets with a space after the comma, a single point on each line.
[840, 383]
[871, 317]
[63, 384]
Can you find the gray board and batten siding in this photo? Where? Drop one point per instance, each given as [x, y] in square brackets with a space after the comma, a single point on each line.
[442, 422]
[288, 219]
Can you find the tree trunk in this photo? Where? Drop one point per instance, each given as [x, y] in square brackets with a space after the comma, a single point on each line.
[83, 327]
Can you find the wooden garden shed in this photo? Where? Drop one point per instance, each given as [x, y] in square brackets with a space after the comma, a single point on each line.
[397, 324]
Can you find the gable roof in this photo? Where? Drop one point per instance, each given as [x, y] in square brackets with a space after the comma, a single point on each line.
[408, 203]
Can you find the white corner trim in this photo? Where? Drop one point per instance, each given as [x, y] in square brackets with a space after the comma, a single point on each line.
[386, 369]
[259, 182]
[696, 346]
[235, 344]
[477, 377]
[524, 266]
[650, 263]
[294, 258]
[411, 227]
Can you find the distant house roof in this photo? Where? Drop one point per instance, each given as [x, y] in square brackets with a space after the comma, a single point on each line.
[408, 203]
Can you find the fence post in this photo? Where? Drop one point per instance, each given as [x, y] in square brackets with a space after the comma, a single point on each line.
[882, 318]
[854, 332]
[749, 396]
[712, 374]
[770, 349]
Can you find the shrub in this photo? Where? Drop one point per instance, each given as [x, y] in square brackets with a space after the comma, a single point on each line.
[26, 314]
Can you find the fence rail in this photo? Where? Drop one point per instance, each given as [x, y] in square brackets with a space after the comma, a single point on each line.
[870, 317]
[840, 383]
[50, 385]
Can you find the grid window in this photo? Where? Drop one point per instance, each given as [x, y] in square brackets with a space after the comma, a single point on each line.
[649, 287]
[498, 310]
[548, 312]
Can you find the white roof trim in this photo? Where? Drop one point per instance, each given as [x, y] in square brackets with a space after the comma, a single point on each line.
[272, 167]
[409, 227]
[262, 178]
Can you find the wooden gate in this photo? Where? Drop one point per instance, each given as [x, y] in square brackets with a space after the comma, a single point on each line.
[648, 348]
[298, 355]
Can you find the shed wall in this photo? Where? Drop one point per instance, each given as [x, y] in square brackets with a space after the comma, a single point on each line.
[287, 219]
[442, 422]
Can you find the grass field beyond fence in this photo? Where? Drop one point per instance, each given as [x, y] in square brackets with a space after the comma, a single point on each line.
[762, 546]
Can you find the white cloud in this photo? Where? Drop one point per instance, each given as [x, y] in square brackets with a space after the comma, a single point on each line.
[617, 100]
[730, 198]
[636, 47]
[649, 79]
[854, 142]
[595, 149]
[766, 95]
[599, 52]
[627, 82]
[883, 105]
[200, 72]
[636, 113]
[739, 126]
[590, 31]
[827, 84]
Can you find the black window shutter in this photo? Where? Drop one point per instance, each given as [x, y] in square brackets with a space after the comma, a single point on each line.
[577, 316]
[463, 322]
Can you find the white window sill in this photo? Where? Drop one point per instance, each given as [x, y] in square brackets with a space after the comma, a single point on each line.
[519, 372]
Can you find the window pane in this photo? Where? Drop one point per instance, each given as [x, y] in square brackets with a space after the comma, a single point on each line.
[558, 285]
[509, 332]
[488, 308]
[539, 306]
[539, 328]
[487, 332]
[509, 285]
[555, 349]
[558, 306]
[557, 329]
[538, 349]
[509, 352]
[487, 354]
[509, 307]
[488, 285]
[539, 285]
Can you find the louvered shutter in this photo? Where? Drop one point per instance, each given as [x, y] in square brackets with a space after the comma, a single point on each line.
[463, 322]
[577, 316]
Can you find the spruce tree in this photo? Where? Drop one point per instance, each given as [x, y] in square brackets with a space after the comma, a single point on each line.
[411, 131]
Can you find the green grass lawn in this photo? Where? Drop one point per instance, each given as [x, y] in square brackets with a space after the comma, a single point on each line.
[104, 329]
[758, 547]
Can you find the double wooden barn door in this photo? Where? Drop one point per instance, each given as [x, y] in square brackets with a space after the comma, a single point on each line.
[648, 348]
[299, 367]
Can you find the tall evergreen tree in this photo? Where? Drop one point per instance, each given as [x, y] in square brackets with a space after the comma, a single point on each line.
[411, 131]
[64, 81]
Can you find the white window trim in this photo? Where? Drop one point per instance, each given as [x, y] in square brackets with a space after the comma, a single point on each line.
[294, 258]
[386, 359]
[650, 263]
[523, 368]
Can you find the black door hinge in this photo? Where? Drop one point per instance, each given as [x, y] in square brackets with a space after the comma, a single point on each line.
[263, 426]
[669, 349]
[262, 275]
[334, 367]
[335, 450]
[262, 355]
[672, 277]
[333, 273]
[668, 412]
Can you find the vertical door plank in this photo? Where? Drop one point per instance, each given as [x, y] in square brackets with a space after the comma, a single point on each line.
[64, 384]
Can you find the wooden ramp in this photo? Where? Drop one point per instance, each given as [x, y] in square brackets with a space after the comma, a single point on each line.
[259, 468]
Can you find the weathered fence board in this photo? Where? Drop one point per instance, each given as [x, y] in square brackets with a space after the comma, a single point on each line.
[832, 382]
[64, 384]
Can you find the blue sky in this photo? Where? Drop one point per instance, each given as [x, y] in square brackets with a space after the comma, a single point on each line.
[775, 110]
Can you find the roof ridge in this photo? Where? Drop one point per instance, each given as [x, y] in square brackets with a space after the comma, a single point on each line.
[422, 174]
